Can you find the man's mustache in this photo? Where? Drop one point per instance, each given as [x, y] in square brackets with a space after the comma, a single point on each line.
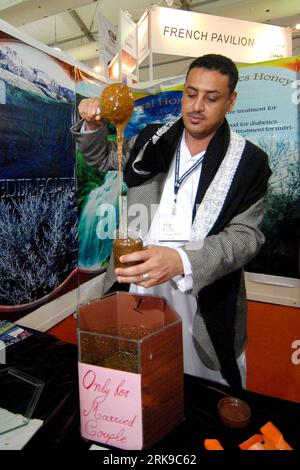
[197, 115]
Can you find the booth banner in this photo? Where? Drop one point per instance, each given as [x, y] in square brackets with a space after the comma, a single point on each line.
[160, 102]
[107, 43]
[267, 113]
[187, 33]
[38, 211]
[128, 43]
[43, 245]
[128, 32]
[143, 37]
[126, 56]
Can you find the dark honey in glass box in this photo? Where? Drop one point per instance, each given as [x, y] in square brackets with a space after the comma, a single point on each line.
[130, 370]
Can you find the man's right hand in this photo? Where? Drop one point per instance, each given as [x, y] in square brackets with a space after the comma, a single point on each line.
[89, 110]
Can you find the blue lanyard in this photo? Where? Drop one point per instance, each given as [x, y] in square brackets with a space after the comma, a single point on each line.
[178, 181]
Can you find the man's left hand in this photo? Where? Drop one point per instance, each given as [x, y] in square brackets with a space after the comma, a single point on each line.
[157, 264]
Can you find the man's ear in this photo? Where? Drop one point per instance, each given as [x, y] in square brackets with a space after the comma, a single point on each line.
[231, 102]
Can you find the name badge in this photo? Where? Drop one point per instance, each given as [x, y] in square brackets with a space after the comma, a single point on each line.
[174, 229]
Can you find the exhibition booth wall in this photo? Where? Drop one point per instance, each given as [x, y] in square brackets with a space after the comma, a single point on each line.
[50, 216]
[50, 234]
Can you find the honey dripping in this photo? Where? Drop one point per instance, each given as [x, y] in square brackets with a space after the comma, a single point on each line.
[117, 103]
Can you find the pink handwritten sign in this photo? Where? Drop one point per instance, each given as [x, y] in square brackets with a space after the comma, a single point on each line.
[110, 406]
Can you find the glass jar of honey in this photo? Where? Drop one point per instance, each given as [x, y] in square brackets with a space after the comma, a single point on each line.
[124, 243]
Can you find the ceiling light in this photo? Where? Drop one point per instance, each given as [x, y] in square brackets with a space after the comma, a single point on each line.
[297, 26]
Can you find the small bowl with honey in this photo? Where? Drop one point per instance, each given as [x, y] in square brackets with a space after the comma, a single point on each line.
[234, 412]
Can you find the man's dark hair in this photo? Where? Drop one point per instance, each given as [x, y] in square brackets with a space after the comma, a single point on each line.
[218, 62]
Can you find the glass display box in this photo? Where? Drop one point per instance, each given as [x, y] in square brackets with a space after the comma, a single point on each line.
[19, 393]
[130, 370]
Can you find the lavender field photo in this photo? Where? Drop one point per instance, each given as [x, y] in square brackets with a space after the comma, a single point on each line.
[38, 205]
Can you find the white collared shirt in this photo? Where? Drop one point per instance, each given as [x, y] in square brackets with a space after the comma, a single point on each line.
[184, 208]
